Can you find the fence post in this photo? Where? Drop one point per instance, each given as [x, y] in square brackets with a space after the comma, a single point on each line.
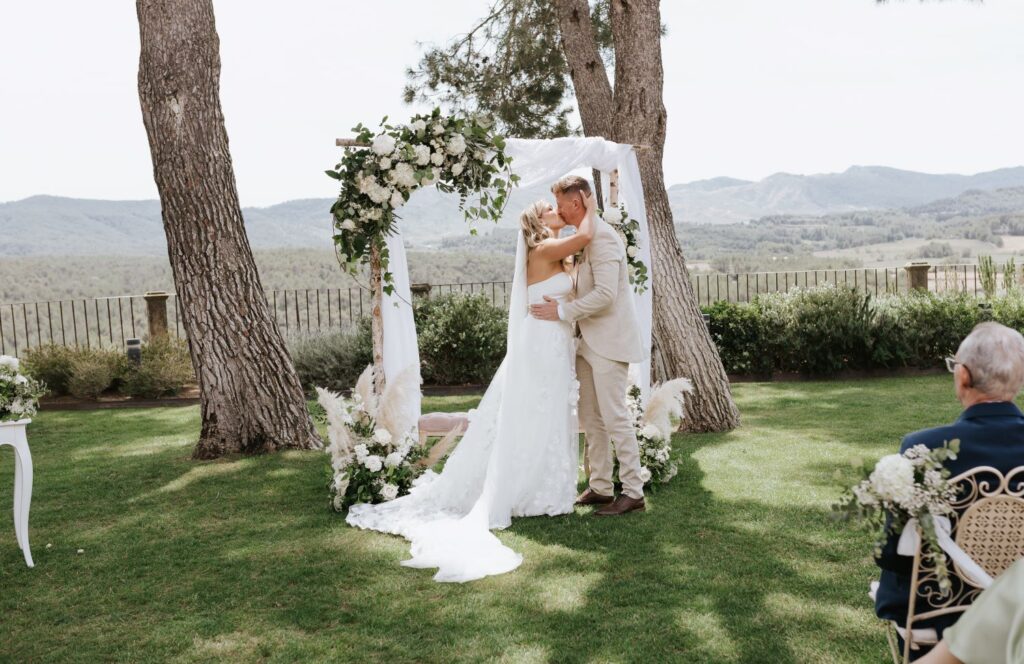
[156, 312]
[420, 290]
[917, 272]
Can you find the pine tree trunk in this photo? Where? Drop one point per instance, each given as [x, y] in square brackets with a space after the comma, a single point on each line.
[635, 113]
[251, 397]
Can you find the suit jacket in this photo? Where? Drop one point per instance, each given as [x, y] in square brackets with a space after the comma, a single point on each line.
[603, 307]
[991, 434]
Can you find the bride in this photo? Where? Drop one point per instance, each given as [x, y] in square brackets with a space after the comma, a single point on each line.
[520, 453]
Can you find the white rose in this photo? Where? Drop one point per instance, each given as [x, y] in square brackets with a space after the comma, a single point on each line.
[457, 144]
[422, 154]
[361, 452]
[612, 215]
[437, 158]
[404, 176]
[893, 479]
[394, 460]
[20, 380]
[385, 163]
[438, 128]
[645, 474]
[418, 126]
[457, 169]
[373, 463]
[8, 361]
[382, 436]
[652, 432]
[389, 492]
[632, 251]
[348, 225]
[397, 200]
[384, 144]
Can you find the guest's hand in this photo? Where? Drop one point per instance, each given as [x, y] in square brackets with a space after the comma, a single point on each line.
[546, 311]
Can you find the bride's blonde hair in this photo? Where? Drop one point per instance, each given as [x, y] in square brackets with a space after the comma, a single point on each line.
[534, 229]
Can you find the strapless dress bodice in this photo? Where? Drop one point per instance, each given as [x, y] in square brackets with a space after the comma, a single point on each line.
[556, 287]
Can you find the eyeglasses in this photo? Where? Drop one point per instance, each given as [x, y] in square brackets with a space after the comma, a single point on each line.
[951, 363]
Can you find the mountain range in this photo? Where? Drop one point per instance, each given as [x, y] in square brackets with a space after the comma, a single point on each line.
[50, 225]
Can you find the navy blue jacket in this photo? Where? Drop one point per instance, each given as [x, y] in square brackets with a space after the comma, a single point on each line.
[991, 434]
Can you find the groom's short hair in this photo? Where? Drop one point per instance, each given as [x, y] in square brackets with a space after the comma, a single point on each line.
[571, 184]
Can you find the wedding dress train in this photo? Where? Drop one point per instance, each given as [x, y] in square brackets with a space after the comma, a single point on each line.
[519, 456]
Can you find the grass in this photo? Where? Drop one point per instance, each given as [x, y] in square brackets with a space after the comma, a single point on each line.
[241, 560]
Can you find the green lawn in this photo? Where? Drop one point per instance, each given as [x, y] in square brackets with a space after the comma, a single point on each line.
[242, 560]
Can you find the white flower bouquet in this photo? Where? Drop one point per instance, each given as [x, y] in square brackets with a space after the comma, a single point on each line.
[629, 230]
[900, 487]
[19, 394]
[654, 425]
[373, 454]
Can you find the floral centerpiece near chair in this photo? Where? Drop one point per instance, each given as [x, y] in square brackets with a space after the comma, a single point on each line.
[19, 401]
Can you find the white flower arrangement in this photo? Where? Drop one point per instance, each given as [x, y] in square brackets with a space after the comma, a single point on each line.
[459, 154]
[629, 230]
[19, 394]
[900, 487]
[374, 457]
[654, 426]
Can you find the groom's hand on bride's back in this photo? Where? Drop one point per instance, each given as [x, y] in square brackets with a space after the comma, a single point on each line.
[547, 310]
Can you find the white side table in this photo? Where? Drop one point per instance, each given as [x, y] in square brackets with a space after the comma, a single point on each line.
[13, 434]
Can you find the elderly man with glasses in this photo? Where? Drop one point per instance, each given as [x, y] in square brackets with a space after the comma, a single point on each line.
[988, 372]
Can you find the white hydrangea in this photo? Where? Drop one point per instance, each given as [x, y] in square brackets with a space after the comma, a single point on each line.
[632, 251]
[457, 145]
[893, 479]
[651, 431]
[404, 176]
[418, 126]
[612, 215]
[348, 225]
[389, 492]
[369, 186]
[457, 169]
[384, 144]
[9, 362]
[382, 436]
[422, 154]
[438, 129]
[437, 158]
[385, 163]
[373, 463]
[394, 460]
[645, 474]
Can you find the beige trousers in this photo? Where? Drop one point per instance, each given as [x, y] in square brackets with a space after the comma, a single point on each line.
[606, 420]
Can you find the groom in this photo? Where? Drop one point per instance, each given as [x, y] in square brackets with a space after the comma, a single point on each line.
[610, 340]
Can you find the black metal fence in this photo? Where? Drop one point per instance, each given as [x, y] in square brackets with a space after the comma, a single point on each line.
[109, 321]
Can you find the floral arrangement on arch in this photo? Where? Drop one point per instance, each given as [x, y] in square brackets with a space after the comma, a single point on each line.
[654, 426]
[457, 154]
[629, 231]
[901, 487]
[19, 394]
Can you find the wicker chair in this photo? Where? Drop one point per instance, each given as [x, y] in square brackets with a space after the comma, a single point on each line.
[988, 524]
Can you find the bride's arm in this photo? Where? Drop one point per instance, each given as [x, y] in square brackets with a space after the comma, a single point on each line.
[556, 249]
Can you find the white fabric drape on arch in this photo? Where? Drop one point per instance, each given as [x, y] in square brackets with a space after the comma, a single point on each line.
[535, 161]
[538, 161]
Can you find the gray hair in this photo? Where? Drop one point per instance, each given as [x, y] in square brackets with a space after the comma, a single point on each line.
[994, 354]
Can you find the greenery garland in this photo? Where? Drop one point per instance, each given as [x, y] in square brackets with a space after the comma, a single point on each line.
[455, 153]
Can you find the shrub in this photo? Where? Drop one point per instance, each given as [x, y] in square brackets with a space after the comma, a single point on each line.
[166, 367]
[932, 326]
[828, 329]
[333, 361]
[739, 332]
[95, 370]
[50, 364]
[461, 338]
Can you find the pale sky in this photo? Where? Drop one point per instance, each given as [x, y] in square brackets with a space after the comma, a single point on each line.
[752, 87]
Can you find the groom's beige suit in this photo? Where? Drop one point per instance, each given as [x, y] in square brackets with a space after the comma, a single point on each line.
[610, 339]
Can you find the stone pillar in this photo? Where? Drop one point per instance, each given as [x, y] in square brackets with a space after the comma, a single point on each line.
[420, 290]
[917, 272]
[156, 311]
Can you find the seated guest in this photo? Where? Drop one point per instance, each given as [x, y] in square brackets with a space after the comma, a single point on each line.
[988, 372]
[991, 631]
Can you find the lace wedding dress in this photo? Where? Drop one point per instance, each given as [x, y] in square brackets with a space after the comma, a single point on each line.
[519, 457]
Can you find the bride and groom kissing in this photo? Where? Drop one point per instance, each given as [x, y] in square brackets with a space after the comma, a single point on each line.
[572, 332]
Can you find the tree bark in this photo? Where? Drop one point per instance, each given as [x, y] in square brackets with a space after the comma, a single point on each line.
[377, 318]
[635, 113]
[251, 397]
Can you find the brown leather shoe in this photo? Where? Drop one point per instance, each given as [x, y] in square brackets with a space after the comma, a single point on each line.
[622, 505]
[590, 497]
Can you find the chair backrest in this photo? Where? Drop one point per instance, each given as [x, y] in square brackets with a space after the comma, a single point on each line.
[988, 524]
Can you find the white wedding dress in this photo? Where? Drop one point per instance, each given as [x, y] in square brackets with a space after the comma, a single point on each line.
[519, 457]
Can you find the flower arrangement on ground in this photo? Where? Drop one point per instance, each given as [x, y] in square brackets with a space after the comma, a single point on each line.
[458, 154]
[629, 231]
[19, 394]
[374, 454]
[901, 487]
[654, 422]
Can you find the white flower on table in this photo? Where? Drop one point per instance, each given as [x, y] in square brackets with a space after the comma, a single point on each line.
[389, 492]
[384, 144]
